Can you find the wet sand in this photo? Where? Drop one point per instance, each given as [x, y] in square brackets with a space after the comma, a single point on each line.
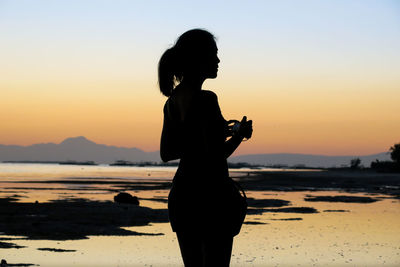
[353, 181]
[74, 217]
[78, 212]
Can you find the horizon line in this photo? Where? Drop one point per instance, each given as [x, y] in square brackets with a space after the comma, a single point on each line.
[153, 151]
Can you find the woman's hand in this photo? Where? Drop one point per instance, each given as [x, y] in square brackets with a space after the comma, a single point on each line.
[245, 128]
[238, 131]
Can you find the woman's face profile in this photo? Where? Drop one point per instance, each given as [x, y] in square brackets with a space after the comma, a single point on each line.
[207, 61]
[211, 61]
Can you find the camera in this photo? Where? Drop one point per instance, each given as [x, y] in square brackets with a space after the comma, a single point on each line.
[233, 127]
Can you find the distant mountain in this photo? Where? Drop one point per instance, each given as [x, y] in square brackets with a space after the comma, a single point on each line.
[81, 149]
[77, 149]
[307, 160]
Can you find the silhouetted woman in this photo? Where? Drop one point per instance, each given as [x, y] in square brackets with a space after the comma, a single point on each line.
[195, 132]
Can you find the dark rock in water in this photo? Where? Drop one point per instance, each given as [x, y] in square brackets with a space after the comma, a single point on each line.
[288, 219]
[9, 245]
[294, 210]
[346, 199]
[157, 199]
[5, 264]
[283, 210]
[8, 199]
[254, 223]
[266, 203]
[72, 220]
[126, 198]
[336, 211]
[57, 250]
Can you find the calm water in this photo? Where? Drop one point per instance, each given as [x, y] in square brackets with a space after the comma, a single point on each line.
[50, 171]
[366, 235]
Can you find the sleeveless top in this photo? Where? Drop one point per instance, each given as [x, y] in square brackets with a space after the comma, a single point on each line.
[200, 186]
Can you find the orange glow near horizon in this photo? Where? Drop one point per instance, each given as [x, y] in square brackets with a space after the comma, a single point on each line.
[305, 121]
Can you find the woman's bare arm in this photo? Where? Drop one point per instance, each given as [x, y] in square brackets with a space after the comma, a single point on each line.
[169, 147]
[232, 144]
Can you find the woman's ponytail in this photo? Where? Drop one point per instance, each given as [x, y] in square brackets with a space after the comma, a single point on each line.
[166, 72]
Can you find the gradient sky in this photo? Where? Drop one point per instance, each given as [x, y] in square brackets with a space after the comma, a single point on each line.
[319, 77]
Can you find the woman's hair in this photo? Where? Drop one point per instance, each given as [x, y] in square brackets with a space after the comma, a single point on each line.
[182, 58]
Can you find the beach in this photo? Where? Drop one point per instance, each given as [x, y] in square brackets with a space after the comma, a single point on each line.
[66, 216]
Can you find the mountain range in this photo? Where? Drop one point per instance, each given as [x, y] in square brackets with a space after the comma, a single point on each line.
[75, 149]
[81, 149]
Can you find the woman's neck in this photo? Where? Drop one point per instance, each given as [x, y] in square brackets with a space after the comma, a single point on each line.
[193, 83]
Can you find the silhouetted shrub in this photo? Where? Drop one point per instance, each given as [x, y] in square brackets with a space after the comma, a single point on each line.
[385, 166]
[395, 153]
[355, 163]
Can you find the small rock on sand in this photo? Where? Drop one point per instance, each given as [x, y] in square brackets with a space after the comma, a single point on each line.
[126, 198]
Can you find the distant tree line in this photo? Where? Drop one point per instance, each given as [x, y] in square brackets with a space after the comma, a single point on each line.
[389, 166]
[355, 163]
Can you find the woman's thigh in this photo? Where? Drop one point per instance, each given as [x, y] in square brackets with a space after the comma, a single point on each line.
[217, 250]
[199, 250]
[190, 245]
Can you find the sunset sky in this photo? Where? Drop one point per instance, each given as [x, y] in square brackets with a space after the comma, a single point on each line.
[320, 77]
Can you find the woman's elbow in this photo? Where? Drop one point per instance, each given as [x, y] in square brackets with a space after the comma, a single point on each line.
[168, 154]
[164, 156]
[163, 153]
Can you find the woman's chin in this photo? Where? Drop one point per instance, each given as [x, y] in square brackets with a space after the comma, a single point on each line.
[213, 75]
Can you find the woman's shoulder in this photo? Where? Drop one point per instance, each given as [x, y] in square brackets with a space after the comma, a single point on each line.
[209, 95]
[167, 104]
